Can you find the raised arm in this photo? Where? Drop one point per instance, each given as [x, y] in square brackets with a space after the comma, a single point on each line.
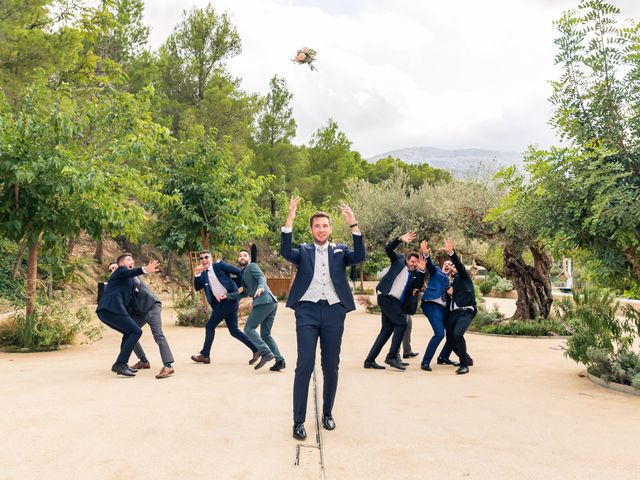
[123, 273]
[426, 252]
[286, 250]
[358, 254]
[448, 247]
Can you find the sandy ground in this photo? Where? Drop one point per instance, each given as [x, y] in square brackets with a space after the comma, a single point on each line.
[523, 412]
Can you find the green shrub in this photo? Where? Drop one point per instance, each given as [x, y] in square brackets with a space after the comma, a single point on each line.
[50, 325]
[486, 317]
[485, 287]
[531, 328]
[191, 311]
[503, 285]
[625, 369]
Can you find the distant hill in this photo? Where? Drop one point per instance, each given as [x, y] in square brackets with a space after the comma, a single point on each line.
[468, 162]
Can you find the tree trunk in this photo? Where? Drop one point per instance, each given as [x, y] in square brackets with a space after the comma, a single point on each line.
[16, 266]
[205, 239]
[532, 283]
[99, 255]
[32, 274]
[169, 266]
[70, 246]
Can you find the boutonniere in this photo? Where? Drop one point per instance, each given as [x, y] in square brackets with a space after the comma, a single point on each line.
[332, 244]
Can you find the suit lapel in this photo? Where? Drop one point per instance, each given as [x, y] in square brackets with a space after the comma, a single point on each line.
[312, 257]
[330, 255]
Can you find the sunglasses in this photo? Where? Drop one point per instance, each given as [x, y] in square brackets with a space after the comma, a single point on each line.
[204, 257]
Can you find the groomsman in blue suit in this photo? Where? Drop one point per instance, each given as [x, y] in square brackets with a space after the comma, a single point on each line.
[321, 298]
[215, 279]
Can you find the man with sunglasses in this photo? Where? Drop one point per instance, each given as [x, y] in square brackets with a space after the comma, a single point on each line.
[215, 279]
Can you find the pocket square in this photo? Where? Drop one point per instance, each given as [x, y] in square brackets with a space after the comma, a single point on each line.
[337, 250]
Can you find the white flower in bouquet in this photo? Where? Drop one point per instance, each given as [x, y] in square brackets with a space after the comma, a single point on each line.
[306, 55]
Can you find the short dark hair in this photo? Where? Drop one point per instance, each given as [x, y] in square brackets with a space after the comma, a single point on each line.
[204, 251]
[413, 254]
[122, 257]
[244, 250]
[319, 214]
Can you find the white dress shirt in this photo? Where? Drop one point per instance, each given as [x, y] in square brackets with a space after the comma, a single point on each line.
[400, 283]
[214, 284]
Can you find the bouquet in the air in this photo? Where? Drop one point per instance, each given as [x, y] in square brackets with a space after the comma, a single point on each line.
[306, 55]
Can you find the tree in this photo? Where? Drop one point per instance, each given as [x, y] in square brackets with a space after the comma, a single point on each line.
[331, 164]
[275, 129]
[418, 174]
[198, 45]
[216, 196]
[587, 194]
[63, 168]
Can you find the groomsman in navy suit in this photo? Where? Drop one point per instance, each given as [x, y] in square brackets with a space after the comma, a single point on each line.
[216, 281]
[321, 298]
[405, 274]
[112, 309]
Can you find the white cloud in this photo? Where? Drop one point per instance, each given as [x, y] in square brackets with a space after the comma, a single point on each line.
[395, 74]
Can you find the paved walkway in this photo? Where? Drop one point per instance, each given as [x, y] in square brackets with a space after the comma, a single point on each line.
[523, 412]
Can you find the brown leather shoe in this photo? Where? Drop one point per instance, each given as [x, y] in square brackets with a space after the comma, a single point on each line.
[200, 358]
[140, 365]
[256, 356]
[165, 372]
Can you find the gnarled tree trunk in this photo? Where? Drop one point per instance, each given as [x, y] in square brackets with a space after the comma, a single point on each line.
[532, 283]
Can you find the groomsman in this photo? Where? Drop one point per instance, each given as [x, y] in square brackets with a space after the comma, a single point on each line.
[265, 305]
[462, 307]
[216, 281]
[321, 298]
[403, 277]
[112, 308]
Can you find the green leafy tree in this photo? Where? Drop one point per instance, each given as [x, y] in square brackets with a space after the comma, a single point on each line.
[62, 169]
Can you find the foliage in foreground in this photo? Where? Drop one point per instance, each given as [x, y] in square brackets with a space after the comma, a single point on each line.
[49, 327]
[602, 340]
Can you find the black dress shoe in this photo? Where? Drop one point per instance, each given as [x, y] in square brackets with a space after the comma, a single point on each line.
[328, 423]
[470, 362]
[299, 433]
[395, 363]
[462, 370]
[374, 365]
[405, 364]
[410, 355]
[279, 365]
[444, 361]
[425, 367]
[123, 369]
[263, 360]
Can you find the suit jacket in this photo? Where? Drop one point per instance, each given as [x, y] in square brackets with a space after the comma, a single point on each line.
[340, 257]
[464, 294]
[410, 301]
[119, 290]
[438, 282]
[252, 279]
[398, 262]
[223, 271]
[143, 298]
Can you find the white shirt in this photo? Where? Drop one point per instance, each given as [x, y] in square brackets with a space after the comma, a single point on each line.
[400, 283]
[214, 284]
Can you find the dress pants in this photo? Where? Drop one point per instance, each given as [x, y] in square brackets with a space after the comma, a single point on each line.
[317, 320]
[154, 318]
[461, 319]
[394, 322]
[406, 338]
[226, 310]
[124, 324]
[263, 315]
[435, 313]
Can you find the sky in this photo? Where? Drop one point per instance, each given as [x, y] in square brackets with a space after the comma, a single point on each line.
[396, 74]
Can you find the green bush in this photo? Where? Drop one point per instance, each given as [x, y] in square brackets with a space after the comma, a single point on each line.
[485, 317]
[48, 327]
[191, 312]
[531, 328]
[503, 285]
[624, 370]
[485, 287]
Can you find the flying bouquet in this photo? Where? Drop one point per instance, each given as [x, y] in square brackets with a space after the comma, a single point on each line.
[306, 55]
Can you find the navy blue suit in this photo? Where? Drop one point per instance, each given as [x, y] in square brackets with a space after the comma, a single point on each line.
[460, 318]
[319, 320]
[226, 310]
[112, 309]
[436, 314]
[394, 320]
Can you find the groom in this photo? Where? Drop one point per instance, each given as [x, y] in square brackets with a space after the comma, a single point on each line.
[321, 298]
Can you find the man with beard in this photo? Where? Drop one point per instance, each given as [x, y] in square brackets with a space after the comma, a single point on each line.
[321, 298]
[263, 312]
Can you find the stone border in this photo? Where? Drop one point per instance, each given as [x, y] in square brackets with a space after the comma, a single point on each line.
[618, 387]
[518, 336]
